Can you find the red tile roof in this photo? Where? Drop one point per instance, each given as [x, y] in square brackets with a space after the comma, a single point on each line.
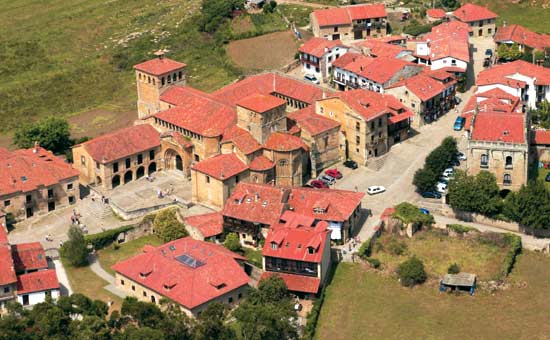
[345, 15]
[221, 167]
[541, 137]
[436, 13]
[241, 138]
[499, 127]
[311, 122]
[378, 48]
[39, 281]
[7, 270]
[25, 170]
[178, 137]
[209, 225]
[522, 36]
[159, 66]
[470, 12]
[122, 143]
[379, 70]
[261, 163]
[211, 272]
[270, 83]
[316, 46]
[502, 74]
[197, 112]
[346, 59]
[422, 86]
[497, 93]
[29, 256]
[449, 39]
[280, 141]
[261, 103]
[371, 105]
[339, 204]
[297, 283]
[260, 203]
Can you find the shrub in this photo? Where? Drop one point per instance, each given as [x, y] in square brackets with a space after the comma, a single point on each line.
[75, 250]
[410, 213]
[375, 263]
[365, 249]
[105, 238]
[167, 227]
[232, 242]
[411, 272]
[397, 247]
[453, 269]
[460, 229]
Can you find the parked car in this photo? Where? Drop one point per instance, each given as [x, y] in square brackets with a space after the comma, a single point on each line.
[424, 211]
[431, 194]
[448, 172]
[311, 78]
[327, 179]
[489, 52]
[547, 178]
[350, 164]
[459, 123]
[461, 156]
[455, 162]
[334, 173]
[441, 187]
[317, 184]
[444, 179]
[375, 189]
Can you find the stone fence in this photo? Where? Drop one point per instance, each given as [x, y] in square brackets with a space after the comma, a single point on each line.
[478, 218]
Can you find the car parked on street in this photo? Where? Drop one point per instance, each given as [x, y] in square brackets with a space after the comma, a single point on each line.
[334, 173]
[327, 179]
[317, 184]
[448, 172]
[459, 123]
[441, 187]
[455, 162]
[375, 189]
[424, 211]
[431, 194]
[350, 164]
[311, 78]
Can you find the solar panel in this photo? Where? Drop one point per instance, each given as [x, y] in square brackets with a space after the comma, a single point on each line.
[189, 261]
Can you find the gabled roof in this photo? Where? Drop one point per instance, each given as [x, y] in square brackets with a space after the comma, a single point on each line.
[221, 167]
[371, 105]
[280, 141]
[261, 102]
[449, 39]
[541, 137]
[39, 281]
[436, 13]
[504, 73]
[296, 283]
[261, 163]
[29, 256]
[423, 86]
[522, 36]
[187, 271]
[242, 139]
[380, 48]
[159, 66]
[25, 170]
[209, 225]
[345, 15]
[470, 12]
[497, 93]
[380, 70]
[316, 46]
[338, 204]
[259, 203]
[311, 122]
[499, 127]
[122, 143]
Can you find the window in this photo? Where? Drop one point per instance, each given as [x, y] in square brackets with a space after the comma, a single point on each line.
[97, 165]
[379, 122]
[484, 161]
[7, 203]
[115, 167]
[413, 105]
[509, 164]
[357, 140]
[128, 162]
[162, 81]
[71, 200]
[335, 29]
[489, 31]
[180, 75]
[154, 81]
[28, 198]
[6, 290]
[151, 155]
[357, 126]
[207, 179]
[133, 288]
[145, 293]
[237, 179]
[283, 162]
[372, 125]
[50, 193]
[82, 160]
[273, 245]
[122, 282]
[507, 179]
[240, 296]
[230, 300]
[140, 158]
[153, 299]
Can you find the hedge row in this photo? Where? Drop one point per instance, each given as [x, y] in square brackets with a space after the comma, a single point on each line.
[313, 317]
[365, 249]
[105, 238]
[514, 241]
[460, 229]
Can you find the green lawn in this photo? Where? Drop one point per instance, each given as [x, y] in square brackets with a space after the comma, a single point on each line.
[362, 304]
[254, 256]
[541, 175]
[109, 256]
[296, 13]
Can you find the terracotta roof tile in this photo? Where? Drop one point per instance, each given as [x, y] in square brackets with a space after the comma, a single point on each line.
[29, 256]
[371, 105]
[378, 48]
[159, 66]
[498, 127]
[39, 281]
[470, 12]
[241, 138]
[261, 163]
[449, 39]
[297, 283]
[522, 36]
[311, 122]
[541, 137]
[7, 270]
[503, 73]
[345, 15]
[369, 11]
[261, 103]
[280, 141]
[122, 143]
[316, 46]
[436, 13]
[211, 272]
[379, 70]
[422, 86]
[221, 167]
[341, 203]
[209, 225]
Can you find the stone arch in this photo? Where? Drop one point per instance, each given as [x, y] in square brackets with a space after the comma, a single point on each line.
[115, 182]
[152, 168]
[173, 160]
[140, 172]
[128, 176]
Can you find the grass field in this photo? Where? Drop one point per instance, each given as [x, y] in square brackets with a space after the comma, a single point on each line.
[362, 304]
[296, 13]
[541, 175]
[109, 256]
[438, 251]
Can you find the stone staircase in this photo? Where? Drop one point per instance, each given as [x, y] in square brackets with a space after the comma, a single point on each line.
[99, 210]
[377, 163]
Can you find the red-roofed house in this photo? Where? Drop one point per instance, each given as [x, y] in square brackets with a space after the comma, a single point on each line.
[297, 249]
[118, 157]
[317, 55]
[153, 77]
[35, 181]
[205, 227]
[189, 272]
[349, 23]
[435, 14]
[541, 143]
[499, 143]
[527, 40]
[481, 20]
[260, 115]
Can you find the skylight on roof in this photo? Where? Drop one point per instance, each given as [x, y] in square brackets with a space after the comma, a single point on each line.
[24, 178]
[189, 261]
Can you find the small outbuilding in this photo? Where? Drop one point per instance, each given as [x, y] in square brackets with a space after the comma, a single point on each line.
[460, 281]
[435, 14]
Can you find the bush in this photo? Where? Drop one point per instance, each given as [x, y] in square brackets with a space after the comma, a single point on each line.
[167, 227]
[397, 247]
[232, 242]
[105, 238]
[375, 263]
[410, 213]
[460, 229]
[75, 250]
[365, 249]
[411, 272]
[453, 269]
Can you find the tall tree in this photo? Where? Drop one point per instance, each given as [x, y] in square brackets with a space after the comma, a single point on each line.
[75, 250]
[52, 133]
[211, 324]
[167, 226]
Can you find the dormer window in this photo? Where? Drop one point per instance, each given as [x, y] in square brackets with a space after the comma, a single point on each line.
[310, 250]
[273, 245]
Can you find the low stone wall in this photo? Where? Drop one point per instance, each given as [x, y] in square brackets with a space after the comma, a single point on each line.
[477, 218]
[535, 232]
[132, 214]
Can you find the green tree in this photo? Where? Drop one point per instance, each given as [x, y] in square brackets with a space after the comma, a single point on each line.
[541, 115]
[167, 227]
[425, 179]
[211, 324]
[450, 4]
[269, 7]
[75, 250]
[453, 269]
[216, 12]
[143, 333]
[143, 313]
[530, 206]
[176, 324]
[478, 194]
[508, 52]
[232, 242]
[52, 133]
[487, 192]
[411, 272]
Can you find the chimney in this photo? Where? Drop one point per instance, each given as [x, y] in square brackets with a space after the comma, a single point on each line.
[324, 95]
[326, 49]
[36, 146]
[160, 54]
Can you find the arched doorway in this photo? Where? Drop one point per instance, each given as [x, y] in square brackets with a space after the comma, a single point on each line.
[98, 180]
[115, 181]
[152, 168]
[128, 176]
[140, 172]
[179, 163]
[173, 160]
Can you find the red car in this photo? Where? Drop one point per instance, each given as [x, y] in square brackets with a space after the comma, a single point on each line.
[318, 184]
[334, 173]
